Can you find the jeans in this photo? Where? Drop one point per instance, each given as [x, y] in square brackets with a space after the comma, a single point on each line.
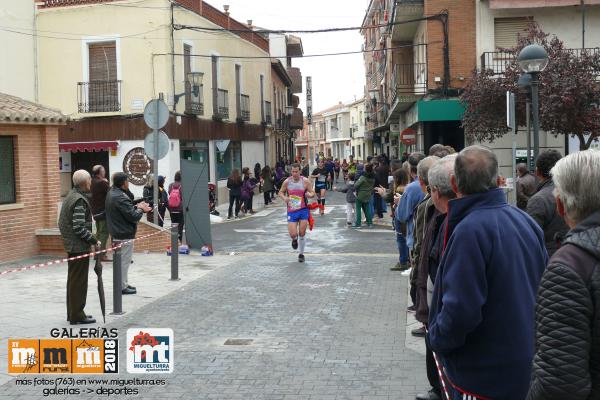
[401, 242]
[236, 200]
[372, 205]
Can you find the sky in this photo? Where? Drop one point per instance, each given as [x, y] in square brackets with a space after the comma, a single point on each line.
[334, 78]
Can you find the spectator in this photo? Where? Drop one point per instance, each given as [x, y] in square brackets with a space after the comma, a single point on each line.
[163, 200]
[441, 192]
[122, 218]
[257, 171]
[364, 188]
[481, 317]
[421, 216]
[148, 195]
[382, 171]
[100, 188]
[401, 179]
[436, 148]
[526, 184]
[75, 224]
[247, 192]
[266, 177]
[234, 184]
[176, 204]
[409, 200]
[567, 359]
[542, 205]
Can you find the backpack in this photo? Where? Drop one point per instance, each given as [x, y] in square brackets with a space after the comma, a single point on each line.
[175, 197]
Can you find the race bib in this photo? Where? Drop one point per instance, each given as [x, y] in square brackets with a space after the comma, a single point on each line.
[295, 202]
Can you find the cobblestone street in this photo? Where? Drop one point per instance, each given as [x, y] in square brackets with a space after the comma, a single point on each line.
[332, 328]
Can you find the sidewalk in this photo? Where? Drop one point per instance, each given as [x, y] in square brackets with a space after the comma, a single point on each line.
[33, 302]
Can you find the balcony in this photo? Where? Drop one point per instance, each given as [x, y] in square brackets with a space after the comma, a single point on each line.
[409, 82]
[296, 77]
[406, 10]
[220, 104]
[497, 61]
[297, 119]
[268, 119]
[99, 96]
[244, 114]
[194, 103]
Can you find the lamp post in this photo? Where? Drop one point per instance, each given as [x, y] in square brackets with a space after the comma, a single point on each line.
[533, 59]
[194, 79]
[524, 84]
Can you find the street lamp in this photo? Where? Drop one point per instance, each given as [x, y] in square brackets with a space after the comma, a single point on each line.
[195, 81]
[524, 84]
[533, 59]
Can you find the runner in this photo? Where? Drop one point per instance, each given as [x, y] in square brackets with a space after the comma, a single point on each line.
[294, 192]
[321, 176]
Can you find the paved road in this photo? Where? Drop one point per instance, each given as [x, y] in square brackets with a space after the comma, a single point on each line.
[332, 328]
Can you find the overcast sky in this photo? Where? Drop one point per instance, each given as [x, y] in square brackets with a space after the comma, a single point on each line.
[335, 78]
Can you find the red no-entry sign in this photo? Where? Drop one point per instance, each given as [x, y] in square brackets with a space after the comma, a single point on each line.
[408, 136]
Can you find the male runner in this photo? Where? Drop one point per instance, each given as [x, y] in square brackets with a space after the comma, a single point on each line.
[321, 176]
[293, 192]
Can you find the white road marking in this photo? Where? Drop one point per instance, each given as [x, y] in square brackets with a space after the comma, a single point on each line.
[366, 230]
[250, 230]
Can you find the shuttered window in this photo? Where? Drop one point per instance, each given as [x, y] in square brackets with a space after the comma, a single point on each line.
[103, 91]
[7, 170]
[506, 30]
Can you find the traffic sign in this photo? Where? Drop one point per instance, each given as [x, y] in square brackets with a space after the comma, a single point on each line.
[408, 136]
[156, 114]
[163, 145]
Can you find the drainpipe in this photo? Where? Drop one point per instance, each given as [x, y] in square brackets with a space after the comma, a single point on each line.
[173, 54]
[36, 83]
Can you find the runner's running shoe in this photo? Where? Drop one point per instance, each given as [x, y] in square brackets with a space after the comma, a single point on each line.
[301, 258]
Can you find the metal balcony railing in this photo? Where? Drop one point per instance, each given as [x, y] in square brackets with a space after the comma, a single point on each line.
[99, 96]
[268, 118]
[245, 107]
[497, 61]
[221, 105]
[409, 80]
[194, 104]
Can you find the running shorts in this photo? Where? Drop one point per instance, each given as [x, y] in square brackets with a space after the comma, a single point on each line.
[298, 215]
[320, 186]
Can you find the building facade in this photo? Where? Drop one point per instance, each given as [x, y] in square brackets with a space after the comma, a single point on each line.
[220, 105]
[361, 145]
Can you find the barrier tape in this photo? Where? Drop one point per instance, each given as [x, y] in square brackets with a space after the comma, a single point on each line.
[91, 254]
[440, 372]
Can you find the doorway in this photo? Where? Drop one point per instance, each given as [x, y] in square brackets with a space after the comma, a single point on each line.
[448, 133]
[87, 159]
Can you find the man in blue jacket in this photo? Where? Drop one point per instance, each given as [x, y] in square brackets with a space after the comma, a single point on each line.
[481, 321]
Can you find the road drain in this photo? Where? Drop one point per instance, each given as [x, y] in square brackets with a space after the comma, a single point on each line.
[238, 342]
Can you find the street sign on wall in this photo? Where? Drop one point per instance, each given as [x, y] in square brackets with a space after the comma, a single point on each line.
[408, 136]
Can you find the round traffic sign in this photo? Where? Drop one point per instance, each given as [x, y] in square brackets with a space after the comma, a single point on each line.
[163, 145]
[408, 136]
[156, 114]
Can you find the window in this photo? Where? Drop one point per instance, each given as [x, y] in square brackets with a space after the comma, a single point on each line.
[358, 148]
[103, 86]
[229, 159]
[506, 30]
[7, 170]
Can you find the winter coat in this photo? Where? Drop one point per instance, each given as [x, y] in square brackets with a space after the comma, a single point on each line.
[75, 223]
[148, 195]
[235, 188]
[247, 188]
[350, 192]
[567, 358]
[430, 233]
[481, 319]
[364, 187]
[406, 207]
[267, 182]
[526, 186]
[421, 218]
[542, 208]
[99, 190]
[381, 175]
[121, 215]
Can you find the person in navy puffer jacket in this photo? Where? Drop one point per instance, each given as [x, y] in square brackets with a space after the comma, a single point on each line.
[481, 321]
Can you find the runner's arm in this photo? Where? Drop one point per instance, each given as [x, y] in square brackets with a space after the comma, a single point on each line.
[308, 186]
[282, 192]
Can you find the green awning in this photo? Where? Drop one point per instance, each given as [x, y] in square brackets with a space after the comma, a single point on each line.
[440, 110]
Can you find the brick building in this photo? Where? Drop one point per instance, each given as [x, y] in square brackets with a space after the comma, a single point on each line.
[29, 177]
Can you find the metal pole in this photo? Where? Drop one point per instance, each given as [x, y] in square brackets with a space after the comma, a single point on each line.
[528, 120]
[582, 24]
[536, 114]
[155, 166]
[513, 124]
[117, 283]
[174, 252]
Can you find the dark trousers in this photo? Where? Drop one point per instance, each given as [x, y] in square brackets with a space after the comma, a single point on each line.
[77, 285]
[432, 373]
[248, 203]
[267, 196]
[378, 202]
[232, 200]
[177, 218]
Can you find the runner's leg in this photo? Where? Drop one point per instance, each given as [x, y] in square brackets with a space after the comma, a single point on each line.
[302, 239]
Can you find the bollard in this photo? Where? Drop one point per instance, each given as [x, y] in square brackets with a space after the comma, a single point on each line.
[174, 252]
[117, 282]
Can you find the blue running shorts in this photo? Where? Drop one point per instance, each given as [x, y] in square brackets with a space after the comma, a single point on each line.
[298, 215]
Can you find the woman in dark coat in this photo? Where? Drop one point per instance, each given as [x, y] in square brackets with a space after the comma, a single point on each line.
[234, 184]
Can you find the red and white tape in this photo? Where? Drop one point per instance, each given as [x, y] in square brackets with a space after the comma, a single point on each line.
[92, 254]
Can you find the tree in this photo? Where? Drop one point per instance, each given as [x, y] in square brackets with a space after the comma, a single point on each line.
[569, 93]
